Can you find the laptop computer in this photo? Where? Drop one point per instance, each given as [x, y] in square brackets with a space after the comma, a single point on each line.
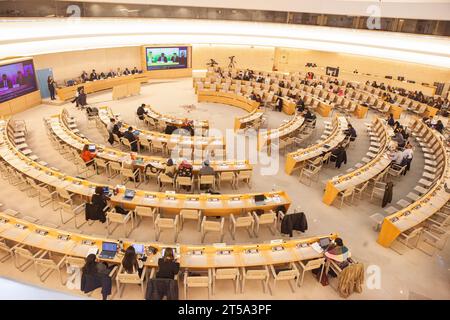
[109, 250]
[91, 148]
[139, 248]
[324, 243]
[106, 191]
[129, 194]
[136, 132]
[260, 199]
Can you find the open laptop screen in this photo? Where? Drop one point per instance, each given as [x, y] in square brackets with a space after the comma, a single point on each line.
[109, 246]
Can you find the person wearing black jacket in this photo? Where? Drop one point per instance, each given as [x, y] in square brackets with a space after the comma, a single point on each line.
[93, 75]
[339, 155]
[132, 138]
[300, 105]
[279, 104]
[96, 275]
[141, 111]
[168, 268]
[351, 132]
[99, 199]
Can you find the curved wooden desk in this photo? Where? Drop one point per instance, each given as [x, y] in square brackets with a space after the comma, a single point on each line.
[247, 120]
[66, 93]
[67, 136]
[191, 256]
[296, 159]
[172, 203]
[421, 209]
[362, 174]
[229, 98]
[265, 138]
[192, 142]
[178, 122]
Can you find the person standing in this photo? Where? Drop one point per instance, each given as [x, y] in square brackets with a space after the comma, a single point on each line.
[51, 87]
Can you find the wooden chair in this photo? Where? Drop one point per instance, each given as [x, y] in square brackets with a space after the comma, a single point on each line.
[311, 172]
[212, 226]
[145, 144]
[208, 180]
[157, 146]
[164, 179]
[245, 176]
[286, 275]
[435, 238]
[311, 265]
[46, 265]
[197, 282]
[128, 174]
[184, 182]
[347, 193]
[260, 274]
[227, 176]
[22, 253]
[245, 222]
[166, 223]
[406, 238]
[141, 212]
[123, 278]
[9, 253]
[268, 219]
[115, 168]
[120, 219]
[100, 164]
[190, 214]
[232, 274]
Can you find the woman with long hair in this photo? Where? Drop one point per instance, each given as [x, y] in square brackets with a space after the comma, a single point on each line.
[130, 261]
[167, 265]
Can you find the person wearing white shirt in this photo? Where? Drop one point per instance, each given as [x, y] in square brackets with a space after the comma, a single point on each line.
[396, 157]
[408, 154]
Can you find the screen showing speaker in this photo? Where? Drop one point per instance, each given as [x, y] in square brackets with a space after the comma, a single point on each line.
[166, 58]
[17, 79]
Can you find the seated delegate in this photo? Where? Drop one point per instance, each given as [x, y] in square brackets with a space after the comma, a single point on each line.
[168, 267]
[141, 111]
[87, 156]
[132, 138]
[130, 262]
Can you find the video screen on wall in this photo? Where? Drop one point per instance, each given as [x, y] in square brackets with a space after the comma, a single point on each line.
[17, 79]
[166, 58]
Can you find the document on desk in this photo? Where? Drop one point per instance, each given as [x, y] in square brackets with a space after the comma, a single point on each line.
[317, 247]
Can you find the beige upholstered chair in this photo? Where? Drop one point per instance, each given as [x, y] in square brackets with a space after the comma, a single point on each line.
[212, 226]
[168, 224]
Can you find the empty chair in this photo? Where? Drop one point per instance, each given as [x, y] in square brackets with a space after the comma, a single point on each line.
[226, 176]
[8, 251]
[28, 256]
[212, 226]
[245, 222]
[128, 174]
[345, 194]
[255, 273]
[190, 214]
[311, 265]
[166, 224]
[268, 219]
[191, 281]
[47, 263]
[285, 275]
[164, 179]
[187, 182]
[120, 219]
[115, 168]
[245, 176]
[409, 238]
[100, 165]
[144, 212]
[311, 172]
[225, 274]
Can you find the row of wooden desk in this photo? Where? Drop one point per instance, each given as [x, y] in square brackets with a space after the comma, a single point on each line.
[67, 136]
[209, 204]
[296, 159]
[66, 93]
[175, 121]
[178, 141]
[425, 206]
[371, 169]
[191, 256]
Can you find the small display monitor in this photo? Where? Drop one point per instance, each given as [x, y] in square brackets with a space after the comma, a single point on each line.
[139, 248]
[129, 194]
[109, 246]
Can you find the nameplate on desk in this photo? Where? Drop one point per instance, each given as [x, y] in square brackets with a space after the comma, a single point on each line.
[192, 199]
[170, 192]
[302, 245]
[3, 220]
[149, 197]
[407, 213]
[88, 242]
[64, 237]
[213, 199]
[235, 199]
[20, 226]
[170, 198]
[41, 232]
[197, 252]
[224, 252]
[251, 251]
[395, 219]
